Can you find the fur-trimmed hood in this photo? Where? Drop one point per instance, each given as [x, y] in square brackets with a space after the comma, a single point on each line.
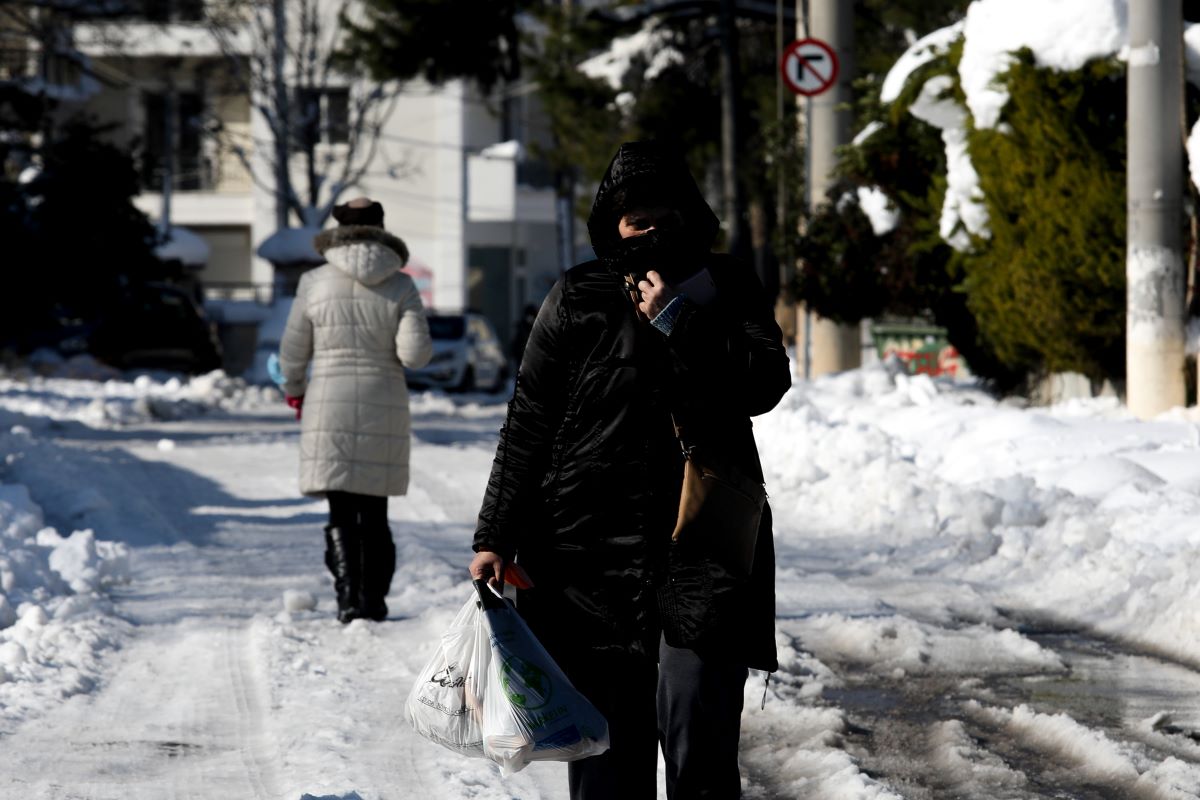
[364, 252]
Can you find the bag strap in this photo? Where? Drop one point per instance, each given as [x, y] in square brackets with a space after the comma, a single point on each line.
[683, 445]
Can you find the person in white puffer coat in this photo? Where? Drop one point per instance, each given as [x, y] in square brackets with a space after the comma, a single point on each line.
[358, 321]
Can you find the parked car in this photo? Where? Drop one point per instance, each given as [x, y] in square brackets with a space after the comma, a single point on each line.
[466, 355]
[156, 326]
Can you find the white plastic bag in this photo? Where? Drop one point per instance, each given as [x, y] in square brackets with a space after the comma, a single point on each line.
[531, 712]
[445, 704]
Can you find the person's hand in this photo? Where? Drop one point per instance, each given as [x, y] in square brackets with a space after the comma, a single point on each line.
[655, 294]
[492, 567]
[295, 402]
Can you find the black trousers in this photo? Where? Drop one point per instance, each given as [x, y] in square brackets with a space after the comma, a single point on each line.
[689, 705]
[349, 510]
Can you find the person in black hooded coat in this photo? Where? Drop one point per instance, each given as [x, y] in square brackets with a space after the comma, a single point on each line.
[585, 486]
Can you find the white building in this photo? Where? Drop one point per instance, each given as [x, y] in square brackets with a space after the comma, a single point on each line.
[479, 221]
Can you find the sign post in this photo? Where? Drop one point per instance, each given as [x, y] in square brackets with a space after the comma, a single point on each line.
[809, 67]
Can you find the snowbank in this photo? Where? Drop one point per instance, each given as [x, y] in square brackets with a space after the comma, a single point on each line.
[99, 397]
[55, 623]
[1077, 513]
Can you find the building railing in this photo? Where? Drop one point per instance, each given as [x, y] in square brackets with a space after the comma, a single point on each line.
[261, 293]
[17, 62]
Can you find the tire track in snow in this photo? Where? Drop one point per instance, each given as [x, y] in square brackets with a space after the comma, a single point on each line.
[240, 672]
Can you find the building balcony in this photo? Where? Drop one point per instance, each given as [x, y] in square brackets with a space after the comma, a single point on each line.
[201, 209]
[145, 39]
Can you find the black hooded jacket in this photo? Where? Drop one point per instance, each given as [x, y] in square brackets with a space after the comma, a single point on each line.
[584, 489]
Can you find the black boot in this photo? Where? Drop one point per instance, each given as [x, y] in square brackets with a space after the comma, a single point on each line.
[378, 566]
[343, 556]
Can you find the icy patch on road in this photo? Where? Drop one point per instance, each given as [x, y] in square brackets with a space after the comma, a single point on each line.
[1123, 766]
[973, 771]
[792, 742]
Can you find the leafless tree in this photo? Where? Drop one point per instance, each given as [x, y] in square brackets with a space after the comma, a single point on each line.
[322, 123]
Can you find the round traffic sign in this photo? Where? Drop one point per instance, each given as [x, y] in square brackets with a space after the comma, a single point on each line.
[809, 67]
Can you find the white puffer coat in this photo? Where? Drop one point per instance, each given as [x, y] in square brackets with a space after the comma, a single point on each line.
[359, 321]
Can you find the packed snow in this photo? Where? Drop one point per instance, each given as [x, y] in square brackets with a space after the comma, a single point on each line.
[163, 592]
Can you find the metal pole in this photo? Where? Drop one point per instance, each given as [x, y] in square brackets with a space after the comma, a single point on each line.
[1155, 323]
[283, 114]
[169, 155]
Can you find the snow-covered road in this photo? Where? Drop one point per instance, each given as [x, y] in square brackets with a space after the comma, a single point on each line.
[217, 691]
[975, 601]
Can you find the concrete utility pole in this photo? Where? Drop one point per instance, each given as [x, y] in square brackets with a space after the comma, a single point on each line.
[1155, 323]
[731, 144]
[833, 347]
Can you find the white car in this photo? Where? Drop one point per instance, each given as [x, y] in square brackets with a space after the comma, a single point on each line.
[466, 355]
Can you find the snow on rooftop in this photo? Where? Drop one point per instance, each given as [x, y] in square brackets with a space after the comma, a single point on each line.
[510, 149]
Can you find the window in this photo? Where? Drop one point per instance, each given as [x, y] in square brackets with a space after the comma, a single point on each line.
[170, 10]
[321, 116]
[185, 160]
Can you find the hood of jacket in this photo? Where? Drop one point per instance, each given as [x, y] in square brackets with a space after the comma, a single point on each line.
[368, 254]
[667, 172]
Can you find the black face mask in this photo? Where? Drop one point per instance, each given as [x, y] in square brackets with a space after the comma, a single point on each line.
[668, 251]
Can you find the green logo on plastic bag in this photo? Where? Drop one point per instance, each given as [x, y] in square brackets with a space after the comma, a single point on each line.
[525, 684]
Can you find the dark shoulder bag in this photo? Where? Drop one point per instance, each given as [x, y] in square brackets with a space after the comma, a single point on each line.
[720, 507]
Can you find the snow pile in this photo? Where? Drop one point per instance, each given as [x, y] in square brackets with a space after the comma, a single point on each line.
[1077, 513]
[114, 402]
[899, 646]
[55, 623]
[799, 744]
[1124, 767]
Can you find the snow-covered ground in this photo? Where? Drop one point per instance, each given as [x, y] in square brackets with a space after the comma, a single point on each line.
[975, 599]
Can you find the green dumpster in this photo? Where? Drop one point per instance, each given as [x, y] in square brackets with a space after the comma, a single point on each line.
[921, 347]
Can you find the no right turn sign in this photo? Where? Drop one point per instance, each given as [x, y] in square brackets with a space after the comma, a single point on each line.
[809, 67]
